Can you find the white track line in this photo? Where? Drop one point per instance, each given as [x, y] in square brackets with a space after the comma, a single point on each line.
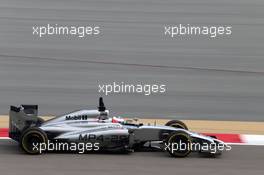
[4, 138]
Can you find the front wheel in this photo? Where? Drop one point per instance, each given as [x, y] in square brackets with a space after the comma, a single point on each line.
[178, 144]
[32, 141]
[177, 124]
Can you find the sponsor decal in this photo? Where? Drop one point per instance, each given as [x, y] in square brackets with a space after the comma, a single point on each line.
[76, 117]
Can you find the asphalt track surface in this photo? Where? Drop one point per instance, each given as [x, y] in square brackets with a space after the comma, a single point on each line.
[240, 160]
[220, 78]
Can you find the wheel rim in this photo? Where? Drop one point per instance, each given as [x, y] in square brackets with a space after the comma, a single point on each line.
[31, 142]
[183, 142]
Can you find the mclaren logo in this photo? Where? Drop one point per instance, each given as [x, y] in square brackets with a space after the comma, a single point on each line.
[77, 117]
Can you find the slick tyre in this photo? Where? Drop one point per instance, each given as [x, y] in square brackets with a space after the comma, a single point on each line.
[178, 144]
[31, 140]
[177, 124]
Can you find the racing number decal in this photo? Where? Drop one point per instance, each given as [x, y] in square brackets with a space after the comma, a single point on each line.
[111, 138]
[116, 138]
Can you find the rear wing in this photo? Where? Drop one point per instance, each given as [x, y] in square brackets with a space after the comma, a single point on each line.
[21, 118]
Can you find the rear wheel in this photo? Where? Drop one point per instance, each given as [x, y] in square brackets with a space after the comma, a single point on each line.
[177, 124]
[32, 140]
[178, 144]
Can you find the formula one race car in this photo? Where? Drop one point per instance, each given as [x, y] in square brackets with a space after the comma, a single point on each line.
[104, 133]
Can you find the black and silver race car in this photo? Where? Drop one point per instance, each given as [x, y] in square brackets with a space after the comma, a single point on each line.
[107, 133]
